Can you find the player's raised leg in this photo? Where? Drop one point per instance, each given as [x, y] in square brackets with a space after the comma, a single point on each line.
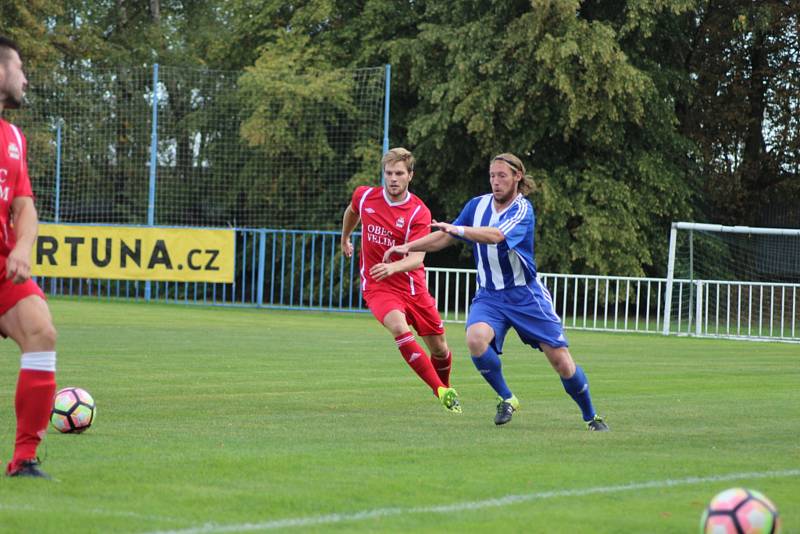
[418, 360]
[488, 364]
[29, 324]
[575, 384]
[441, 357]
[443, 364]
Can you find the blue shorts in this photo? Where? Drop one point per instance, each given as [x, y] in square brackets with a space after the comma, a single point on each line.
[527, 309]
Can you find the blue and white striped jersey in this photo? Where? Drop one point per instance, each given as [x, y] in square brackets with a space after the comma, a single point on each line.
[510, 263]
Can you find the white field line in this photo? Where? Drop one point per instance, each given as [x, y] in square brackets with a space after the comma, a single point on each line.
[507, 500]
[89, 511]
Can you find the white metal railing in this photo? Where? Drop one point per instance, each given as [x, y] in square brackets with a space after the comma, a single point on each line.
[610, 303]
[607, 303]
[732, 309]
[747, 310]
[453, 290]
[709, 308]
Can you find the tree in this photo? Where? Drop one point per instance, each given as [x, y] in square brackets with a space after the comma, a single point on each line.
[310, 121]
[24, 22]
[551, 83]
[629, 115]
[745, 59]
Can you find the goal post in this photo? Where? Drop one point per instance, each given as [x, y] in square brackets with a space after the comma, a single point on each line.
[733, 281]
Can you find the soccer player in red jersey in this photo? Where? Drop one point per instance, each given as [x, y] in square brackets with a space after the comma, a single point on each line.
[24, 315]
[396, 292]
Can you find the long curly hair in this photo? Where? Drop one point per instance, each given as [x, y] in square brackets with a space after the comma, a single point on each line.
[526, 185]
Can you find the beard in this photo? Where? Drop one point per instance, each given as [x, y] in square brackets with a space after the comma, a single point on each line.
[504, 198]
[12, 101]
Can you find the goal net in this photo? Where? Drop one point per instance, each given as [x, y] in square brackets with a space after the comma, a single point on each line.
[733, 281]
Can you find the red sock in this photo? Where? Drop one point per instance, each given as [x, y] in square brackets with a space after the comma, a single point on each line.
[442, 366]
[416, 358]
[33, 403]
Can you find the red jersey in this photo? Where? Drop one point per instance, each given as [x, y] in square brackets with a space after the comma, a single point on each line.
[14, 180]
[384, 224]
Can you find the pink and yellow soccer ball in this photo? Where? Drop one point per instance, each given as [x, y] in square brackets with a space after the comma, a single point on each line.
[73, 410]
[740, 511]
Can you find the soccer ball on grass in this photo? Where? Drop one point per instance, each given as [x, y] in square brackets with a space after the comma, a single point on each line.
[740, 511]
[73, 410]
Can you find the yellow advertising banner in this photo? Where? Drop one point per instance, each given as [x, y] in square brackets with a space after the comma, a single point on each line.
[134, 253]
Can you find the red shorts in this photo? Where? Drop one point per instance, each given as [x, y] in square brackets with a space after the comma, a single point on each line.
[11, 293]
[420, 310]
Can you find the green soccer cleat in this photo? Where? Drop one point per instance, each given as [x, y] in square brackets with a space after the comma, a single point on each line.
[449, 398]
[506, 409]
[597, 425]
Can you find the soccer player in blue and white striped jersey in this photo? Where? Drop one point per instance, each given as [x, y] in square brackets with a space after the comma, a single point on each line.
[500, 227]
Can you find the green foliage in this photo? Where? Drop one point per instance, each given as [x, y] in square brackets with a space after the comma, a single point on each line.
[745, 58]
[629, 115]
[286, 85]
[560, 91]
[28, 22]
[296, 107]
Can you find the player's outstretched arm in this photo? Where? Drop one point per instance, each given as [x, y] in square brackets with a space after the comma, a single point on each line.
[26, 226]
[349, 223]
[479, 234]
[430, 243]
[409, 263]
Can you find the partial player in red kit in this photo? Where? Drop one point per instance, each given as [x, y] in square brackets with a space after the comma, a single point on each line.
[24, 315]
[396, 293]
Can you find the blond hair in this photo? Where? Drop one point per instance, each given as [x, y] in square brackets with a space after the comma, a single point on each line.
[398, 154]
[526, 185]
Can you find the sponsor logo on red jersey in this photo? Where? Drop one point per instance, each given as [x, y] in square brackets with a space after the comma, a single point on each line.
[379, 235]
[4, 190]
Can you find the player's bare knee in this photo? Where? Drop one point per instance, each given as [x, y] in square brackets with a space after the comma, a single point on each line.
[563, 364]
[560, 359]
[49, 335]
[477, 344]
[564, 368]
[440, 352]
[438, 346]
[43, 336]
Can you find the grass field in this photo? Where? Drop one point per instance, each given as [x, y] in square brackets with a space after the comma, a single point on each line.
[240, 420]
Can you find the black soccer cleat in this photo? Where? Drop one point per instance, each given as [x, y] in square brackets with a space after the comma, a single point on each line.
[505, 410]
[597, 425]
[27, 468]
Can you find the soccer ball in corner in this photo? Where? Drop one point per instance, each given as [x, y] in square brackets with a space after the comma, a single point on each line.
[740, 511]
[73, 410]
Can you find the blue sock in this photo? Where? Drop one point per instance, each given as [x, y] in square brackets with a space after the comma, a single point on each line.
[490, 367]
[577, 386]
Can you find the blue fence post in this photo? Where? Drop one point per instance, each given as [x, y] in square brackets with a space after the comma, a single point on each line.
[57, 214]
[57, 200]
[262, 260]
[151, 199]
[386, 95]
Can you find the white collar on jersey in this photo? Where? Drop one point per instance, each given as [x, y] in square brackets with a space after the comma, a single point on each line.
[506, 208]
[399, 202]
